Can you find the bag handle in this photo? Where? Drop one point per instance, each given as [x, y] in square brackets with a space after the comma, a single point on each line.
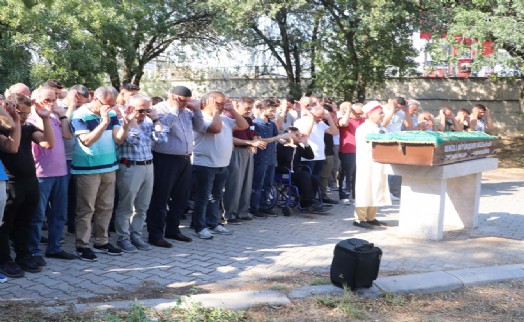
[365, 247]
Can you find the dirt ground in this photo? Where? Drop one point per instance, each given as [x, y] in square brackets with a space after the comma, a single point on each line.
[511, 152]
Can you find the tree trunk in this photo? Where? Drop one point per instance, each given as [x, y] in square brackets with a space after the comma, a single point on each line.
[139, 72]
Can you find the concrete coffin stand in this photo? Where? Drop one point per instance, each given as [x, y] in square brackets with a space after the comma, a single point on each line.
[438, 196]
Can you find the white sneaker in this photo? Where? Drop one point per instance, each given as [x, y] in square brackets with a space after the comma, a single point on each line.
[221, 230]
[204, 234]
[393, 198]
[346, 202]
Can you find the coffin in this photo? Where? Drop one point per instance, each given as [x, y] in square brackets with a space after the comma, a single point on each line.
[430, 148]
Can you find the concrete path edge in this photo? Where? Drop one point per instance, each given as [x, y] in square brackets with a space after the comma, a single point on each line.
[423, 283]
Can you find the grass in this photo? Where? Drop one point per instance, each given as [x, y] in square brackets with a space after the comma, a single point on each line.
[320, 281]
[194, 313]
[350, 304]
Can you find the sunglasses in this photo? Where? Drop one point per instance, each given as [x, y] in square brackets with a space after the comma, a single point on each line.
[144, 111]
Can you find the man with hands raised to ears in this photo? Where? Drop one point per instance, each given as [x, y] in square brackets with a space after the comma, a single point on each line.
[94, 163]
[22, 187]
[213, 148]
[52, 173]
[134, 178]
[179, 115]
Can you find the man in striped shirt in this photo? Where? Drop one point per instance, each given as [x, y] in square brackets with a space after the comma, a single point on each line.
[94, 163]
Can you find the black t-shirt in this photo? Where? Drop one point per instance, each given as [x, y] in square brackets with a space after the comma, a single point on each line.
[21, 164]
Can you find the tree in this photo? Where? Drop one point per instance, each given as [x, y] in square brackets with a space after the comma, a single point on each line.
[284, 28]
[500, 21]
[80, 41]
[360, 40]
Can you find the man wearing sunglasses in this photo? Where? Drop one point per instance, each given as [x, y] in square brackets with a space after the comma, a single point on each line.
[134, 178]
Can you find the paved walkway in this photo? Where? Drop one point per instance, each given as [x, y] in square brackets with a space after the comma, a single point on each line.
[283, 245]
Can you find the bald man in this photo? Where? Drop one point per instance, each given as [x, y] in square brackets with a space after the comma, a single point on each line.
[18, 88]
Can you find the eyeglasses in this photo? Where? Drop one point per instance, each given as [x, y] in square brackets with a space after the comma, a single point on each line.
[102, 103]
[144, 111]
[23, 113]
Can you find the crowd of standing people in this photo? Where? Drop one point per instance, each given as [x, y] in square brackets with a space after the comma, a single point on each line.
[88, 160]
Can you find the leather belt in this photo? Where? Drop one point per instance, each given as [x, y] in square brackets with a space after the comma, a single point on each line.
[180, 156]
[131, 162]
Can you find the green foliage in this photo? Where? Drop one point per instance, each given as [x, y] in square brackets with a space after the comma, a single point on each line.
[360, 40]
[83, 41]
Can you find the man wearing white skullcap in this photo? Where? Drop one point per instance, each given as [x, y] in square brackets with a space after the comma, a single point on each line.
[371, 186]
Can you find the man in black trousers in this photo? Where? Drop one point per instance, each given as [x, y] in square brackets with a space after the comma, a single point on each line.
[179, 115]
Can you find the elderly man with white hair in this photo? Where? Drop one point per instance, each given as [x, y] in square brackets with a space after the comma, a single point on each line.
[134, 177]
[372, 190]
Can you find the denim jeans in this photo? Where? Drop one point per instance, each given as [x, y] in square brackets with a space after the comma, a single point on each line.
[348, 171]
[263, 176]
[52, 190]
[395, 183]
[209, 188]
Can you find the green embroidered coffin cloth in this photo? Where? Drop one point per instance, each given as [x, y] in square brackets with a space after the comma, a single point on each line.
[430, 148]
[425, 137]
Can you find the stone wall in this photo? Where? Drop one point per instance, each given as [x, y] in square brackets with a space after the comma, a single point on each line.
[501, 96]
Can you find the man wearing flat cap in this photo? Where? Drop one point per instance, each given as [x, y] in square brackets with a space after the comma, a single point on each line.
[179, 115]
[371, 185]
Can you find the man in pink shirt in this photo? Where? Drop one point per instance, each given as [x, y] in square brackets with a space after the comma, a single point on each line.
[51, 171]
[350, 118]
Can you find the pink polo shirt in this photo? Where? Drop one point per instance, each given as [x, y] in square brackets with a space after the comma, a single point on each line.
[50, 162]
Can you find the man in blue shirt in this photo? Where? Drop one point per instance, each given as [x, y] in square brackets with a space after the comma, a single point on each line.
[265, 160]
[180, 115]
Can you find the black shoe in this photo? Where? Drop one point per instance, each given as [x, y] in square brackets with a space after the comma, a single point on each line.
[329, 201]
[319, 209]
[107, 249]
[258, 214]
[86, 254]
[363, 224]
[39, 260]
[179, 237]
[246, 218]
[61, 255]
[269, 212]
[11, 269]
[375, 222]
[43, 240]
[161, 243]
[28, 264]
[233, 221]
